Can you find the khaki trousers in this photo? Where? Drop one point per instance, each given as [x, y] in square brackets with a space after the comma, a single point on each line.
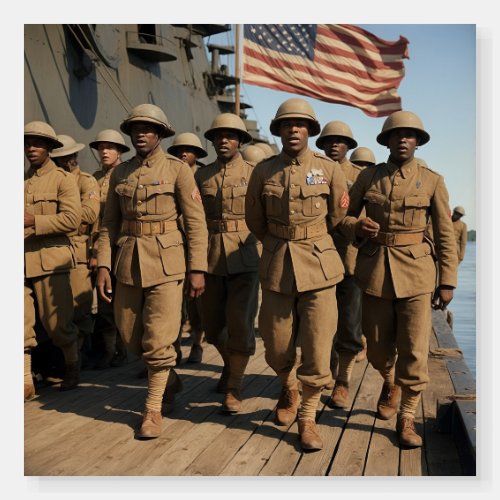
[308, 318]
[55, 309]
[81, 286]
[397, 332]
[229, 307]
[148, 320]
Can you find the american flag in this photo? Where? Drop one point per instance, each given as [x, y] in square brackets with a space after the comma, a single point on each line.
[338, 63]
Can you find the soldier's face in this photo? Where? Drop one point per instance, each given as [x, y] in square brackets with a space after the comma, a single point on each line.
[68, 162]
[402, 143]
[226, 144]
[187, 154]
[294, 134]
[145, 137]
[109, 154]
[36, 150]
[335, 147]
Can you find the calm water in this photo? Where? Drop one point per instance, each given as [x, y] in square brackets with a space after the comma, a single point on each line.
[463, 307]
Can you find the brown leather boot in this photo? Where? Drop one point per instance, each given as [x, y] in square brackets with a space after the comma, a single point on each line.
[340, 396]
[151, 425]
[29, 392]
[309, 435]
[388, 401]
[232, 401]
[71, 377]
[407, 433]
[286, 409]
[222, 383]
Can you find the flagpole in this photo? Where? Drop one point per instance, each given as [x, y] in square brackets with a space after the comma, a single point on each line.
[237, 71]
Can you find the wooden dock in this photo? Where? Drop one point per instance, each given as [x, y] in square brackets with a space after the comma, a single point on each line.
[90, 431]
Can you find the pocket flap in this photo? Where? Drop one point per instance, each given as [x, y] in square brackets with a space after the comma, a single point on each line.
[208, 191]
[168, 240]
[44, 197]
[420, 250]
[315, 190]
[323, 244]
[159, 189]
[374, 197]
[273, 190]
[239, 191]
[417, 201]
[125, 190]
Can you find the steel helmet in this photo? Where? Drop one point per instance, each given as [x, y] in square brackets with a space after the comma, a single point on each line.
[253, 154]
[112, 136]
[268, 150]
[403, 119]
[460, 210]
[44, 130]
[69, 147]
[187, 139]
[229, 121]
[363, 154]
[338, 128]
[295, 108]
[148, 113]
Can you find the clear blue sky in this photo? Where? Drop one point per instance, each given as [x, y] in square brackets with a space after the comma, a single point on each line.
[439, 85]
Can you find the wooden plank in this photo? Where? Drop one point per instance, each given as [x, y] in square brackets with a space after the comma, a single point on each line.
[352, 451]
[463, 381]
[383, 452]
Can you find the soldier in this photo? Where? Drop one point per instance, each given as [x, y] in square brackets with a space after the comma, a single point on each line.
[187, 147]
[230, 302]
[253, 154]
[363, 157]
[267, 148]
[293, 200]
[110, 145]
[460, 230]
[336, 140]
[147, 195]
[66, 157]
[396, 265]
[52, 211]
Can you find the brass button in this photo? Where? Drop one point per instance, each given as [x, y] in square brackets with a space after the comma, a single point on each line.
[317, 204]
[292, 198]
[293, 170]
[139, 214]
[139, 202]
[140, 186]
[292, 212]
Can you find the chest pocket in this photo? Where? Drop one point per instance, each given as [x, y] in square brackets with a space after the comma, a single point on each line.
[375, 205]
[126, 195]
[45, 203]
[272, 195]
[208, 196]
[159, 198]
[415, 211]
[315, 199]
[238, 200]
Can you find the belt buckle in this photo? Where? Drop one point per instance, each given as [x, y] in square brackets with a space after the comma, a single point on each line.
[223, 226]
[138, 224]
[291, 232]
[391, 239]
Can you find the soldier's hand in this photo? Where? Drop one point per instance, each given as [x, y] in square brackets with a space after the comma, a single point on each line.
[367, 228]
[29, 219]
[196, 282]
[103, 284]
[92, 265]
[442, 297]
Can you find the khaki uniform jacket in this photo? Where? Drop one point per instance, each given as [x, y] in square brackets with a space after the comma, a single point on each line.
[102, 178]
[305, 191]
[401, 200]
[460, 229]
[223, 188]
[52, 196]
[159, 188]
[347, 251]
[89, 197]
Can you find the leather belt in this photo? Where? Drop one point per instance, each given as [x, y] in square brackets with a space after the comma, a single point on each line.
[398, 239]
[227, 226]
[296, 232]
[147, 228]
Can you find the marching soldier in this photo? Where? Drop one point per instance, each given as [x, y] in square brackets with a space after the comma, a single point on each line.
[187, 147]
[66, 157]
[363, 157]
[110, 145]
[336, 140]
[460, 230]
[52, 211]
[147, 195]
[294, 199]
[396, 265]
[230, 303]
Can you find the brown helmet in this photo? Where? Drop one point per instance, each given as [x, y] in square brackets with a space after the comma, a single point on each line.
[403, 119]
[229, 121]
[363, 154]
[187, 139]
[295, 108]
[459, 210]
[44, 130]
[69, 147]
[338, 128]
[112, 136]
[148, 113]
[253, 154]
[266, 148]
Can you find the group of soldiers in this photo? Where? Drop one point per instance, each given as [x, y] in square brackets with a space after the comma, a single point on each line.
[341, 249]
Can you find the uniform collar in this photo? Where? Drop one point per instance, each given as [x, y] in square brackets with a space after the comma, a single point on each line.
[234, 161]
[405, 168]
[47, 167]
[298, 160]
[76, 172]
[151, 161]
